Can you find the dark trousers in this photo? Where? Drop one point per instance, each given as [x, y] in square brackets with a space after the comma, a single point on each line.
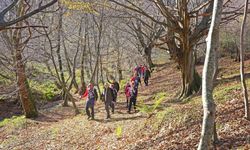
[146, 81]
[127, 98]
[107, 105]
[90, 105]
[132, 101]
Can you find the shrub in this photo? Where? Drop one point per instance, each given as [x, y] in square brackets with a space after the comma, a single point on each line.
[149, 109]
[47, 90]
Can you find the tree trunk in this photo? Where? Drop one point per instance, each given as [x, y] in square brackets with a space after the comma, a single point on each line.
[24, 92]
[58, 51]
[242, 55]
[209, 72]
[148, 57]
[83, 83]
[119, 69]
[101, 69]
[191, 80]
[28, 103]
[69, 63]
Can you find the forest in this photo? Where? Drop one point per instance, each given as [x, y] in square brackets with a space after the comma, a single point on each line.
[124, 74]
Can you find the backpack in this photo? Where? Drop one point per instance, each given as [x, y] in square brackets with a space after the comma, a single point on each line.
[117, 86]
[95, 94]
[114, 91]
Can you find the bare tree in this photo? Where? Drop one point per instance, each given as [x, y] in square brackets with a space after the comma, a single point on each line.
[19, 43]
[242, 56]
[147, 34]
[186, 23]
[209, 74]
[4, 24]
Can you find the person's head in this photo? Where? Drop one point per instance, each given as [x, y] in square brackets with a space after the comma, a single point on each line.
[90, 86]
[132, 83]
[135, 74]
[112, 79]
[106, 85]
[111, 85]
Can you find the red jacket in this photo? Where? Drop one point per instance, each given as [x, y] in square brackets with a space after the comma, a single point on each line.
[85, 94]
[132, 79]
[143, 69]
[127, 90]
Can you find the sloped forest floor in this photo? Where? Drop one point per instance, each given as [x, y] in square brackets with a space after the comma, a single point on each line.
[171, 124]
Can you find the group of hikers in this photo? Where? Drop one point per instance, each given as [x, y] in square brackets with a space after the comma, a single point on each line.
[111, 89]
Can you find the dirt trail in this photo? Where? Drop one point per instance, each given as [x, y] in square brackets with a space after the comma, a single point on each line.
[58, 128]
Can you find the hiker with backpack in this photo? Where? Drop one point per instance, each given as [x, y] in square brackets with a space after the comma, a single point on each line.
[92, 96]
[109, 99]
[147, 75]
[115, 85]
[141, 71]
[136, 70]
[136, 79]
[133, 96]
[127, 92]
[115, 92]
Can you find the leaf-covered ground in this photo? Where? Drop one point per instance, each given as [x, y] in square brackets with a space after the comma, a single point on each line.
[173, 125]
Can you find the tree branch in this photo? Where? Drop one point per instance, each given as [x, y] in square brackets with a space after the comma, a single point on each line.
[4, 24]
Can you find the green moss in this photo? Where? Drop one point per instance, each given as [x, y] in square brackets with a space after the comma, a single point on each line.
[14, 122]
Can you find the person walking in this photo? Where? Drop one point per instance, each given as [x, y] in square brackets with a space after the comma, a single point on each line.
[115, 86]
[136, 69]
[90, 94]
[147, 75]
[127, 92]
[136, 79]
[108, 99]
[133, 97]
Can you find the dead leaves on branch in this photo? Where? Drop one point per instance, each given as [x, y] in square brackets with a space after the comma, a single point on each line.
[87, 7]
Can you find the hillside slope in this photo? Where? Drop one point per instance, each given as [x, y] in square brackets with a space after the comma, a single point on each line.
[171, 125]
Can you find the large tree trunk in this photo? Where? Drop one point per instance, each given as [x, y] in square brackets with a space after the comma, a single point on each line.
[191, 80]
[28, 103]
[148, 56]
[183, 54]
[242, 55]
[209, 72]
[24, 92]
[190, 77]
